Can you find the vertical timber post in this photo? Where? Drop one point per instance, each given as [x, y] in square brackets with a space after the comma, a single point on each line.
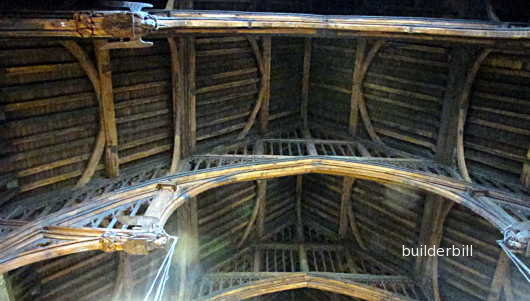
[304, 266]
[261, 192]
[304, 111]
[188, 125]
[177, 99]
[436, 208]
[106, 109]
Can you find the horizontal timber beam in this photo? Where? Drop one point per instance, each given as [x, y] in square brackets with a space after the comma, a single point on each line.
[120, 24]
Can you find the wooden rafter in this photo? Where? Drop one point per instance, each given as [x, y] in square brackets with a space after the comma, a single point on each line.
[106, 107]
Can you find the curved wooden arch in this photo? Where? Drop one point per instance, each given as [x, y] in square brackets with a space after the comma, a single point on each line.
[92, 73]
[304, 280]
[362, 102]
[462, 113]
[452, 189]
[173, 191]
[262, 90]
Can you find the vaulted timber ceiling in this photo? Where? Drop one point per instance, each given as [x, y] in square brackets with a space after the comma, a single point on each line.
[414, 97]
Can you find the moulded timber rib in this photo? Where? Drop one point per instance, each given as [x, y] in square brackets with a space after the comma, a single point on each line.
[179, 188]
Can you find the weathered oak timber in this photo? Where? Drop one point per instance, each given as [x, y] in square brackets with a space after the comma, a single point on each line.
[82, 24]
[267, 23]
[302, 255]
[306, 280]
[453, 101]
[464, 106]
[177, 97]
[132, 25]
[525, 176]
[356, 89]
[436, 209]
[346, 217]
[192, 184]
[306, 81]
[263, 90]
[264, 112]
[501, 278]
[107, 111]
[188, 65]
[363, 69]
[92, 73]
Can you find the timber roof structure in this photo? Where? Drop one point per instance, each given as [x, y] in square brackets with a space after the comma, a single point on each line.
[294, 148]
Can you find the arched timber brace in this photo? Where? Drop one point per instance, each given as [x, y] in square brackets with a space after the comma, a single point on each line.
[363, 69]
[264, 86]
[436, 210]
[464, 106]
[347, 218]
[93, 76]
[305, 280]
[168, 194]
[264, 113]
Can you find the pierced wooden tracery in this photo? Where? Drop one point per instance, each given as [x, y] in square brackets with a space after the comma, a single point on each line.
[500, 208]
